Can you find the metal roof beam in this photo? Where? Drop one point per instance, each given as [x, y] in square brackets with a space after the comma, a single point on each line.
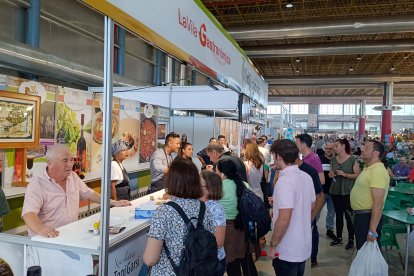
[390, 24]
[331, 49]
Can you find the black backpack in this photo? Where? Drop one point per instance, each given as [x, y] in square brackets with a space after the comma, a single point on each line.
[199, 256]
[255, 216]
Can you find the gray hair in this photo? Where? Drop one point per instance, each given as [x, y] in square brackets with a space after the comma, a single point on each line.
[55, 152]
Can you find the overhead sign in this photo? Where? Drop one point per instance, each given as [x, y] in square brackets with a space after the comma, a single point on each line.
[185, 29]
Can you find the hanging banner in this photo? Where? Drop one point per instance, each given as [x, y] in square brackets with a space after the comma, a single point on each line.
[313, 117]
[190, 32]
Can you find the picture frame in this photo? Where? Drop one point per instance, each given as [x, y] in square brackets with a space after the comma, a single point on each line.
[19, 120]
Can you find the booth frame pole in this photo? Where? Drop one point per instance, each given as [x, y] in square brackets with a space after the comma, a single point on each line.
[106, 144]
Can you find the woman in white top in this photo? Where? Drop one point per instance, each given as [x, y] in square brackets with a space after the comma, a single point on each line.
[254, 167]
[119, 177]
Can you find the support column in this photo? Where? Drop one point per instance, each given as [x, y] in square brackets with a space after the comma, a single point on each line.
[386, 120]
[182, 75]
[169, 71]
[193, 77]
[158, 67]
[362, 120]
[120, 53]
[33, 24]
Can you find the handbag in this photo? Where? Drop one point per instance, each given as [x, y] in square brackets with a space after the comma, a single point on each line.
[369, 261]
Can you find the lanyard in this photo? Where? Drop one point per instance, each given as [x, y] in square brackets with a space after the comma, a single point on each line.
[166, 156]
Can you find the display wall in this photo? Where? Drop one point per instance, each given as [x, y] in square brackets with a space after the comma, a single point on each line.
[74, 117]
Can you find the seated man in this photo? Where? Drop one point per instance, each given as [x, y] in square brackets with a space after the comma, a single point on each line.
[401, 169]
[52, 198]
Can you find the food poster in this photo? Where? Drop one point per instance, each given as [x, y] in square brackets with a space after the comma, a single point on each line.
[97, 131]
[129, 121]
[73, 126]
[163, 125]
[148, 132]
[12, 256]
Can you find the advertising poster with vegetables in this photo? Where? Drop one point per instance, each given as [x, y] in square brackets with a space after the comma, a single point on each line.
[97, 130]
[148, 132]
[73, 126]
[129, 116]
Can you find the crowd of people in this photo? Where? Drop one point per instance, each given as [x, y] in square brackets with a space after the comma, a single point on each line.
[290, 177]
[297, 181]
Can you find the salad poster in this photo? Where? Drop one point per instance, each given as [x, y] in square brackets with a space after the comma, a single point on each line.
[72, 104]
[129, 115]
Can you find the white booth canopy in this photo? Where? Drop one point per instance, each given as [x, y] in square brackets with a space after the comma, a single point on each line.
[200, 97]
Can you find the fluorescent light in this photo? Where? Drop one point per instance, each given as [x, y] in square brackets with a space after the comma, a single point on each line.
[297, 70]
[392, 68]
[297, 60]
[359, 57]
[289, 5]
[351, 69]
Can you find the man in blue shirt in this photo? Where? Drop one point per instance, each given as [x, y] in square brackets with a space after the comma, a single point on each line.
[401, 169]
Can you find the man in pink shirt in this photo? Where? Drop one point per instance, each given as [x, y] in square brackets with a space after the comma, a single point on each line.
[304, 143]
[52, 199]
[294, 196]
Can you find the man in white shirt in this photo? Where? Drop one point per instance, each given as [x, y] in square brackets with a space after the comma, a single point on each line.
[294, 196]
[261, 143]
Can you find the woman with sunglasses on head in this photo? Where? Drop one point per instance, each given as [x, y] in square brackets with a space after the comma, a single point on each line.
[344, 171]
[119, 176]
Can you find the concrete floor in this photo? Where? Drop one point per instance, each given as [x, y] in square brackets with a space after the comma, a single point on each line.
[337, 260]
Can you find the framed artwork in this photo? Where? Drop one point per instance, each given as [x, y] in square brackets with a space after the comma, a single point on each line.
[19, 120]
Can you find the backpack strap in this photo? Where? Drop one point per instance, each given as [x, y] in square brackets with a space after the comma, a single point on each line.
[201, 213]
[187, 221]
[179, 211]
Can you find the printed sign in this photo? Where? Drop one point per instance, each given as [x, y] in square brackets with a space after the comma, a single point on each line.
[127, 259]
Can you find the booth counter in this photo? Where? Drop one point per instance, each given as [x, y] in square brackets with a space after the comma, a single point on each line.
[75, 251]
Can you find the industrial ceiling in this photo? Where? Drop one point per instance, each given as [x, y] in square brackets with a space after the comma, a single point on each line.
[325, 48]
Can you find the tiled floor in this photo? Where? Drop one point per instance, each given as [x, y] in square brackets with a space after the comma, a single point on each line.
[337, 260]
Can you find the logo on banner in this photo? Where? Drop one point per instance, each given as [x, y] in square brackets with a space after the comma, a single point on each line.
[127, 264]
[33, 88]
[202, 33]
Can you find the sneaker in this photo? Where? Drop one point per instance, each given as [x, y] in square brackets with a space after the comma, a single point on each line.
[331, 234]
[349, 245]
[336, 242]
[314, 263]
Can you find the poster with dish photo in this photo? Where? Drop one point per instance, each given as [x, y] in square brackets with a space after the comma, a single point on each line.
[148, 132]
[129, 121]
[73, 126]
[97, 130]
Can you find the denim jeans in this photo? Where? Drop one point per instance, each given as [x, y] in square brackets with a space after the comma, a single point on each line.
[315, 239]
[330, 215]
[285, 268]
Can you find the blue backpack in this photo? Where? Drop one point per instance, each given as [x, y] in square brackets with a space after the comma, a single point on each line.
[255, 216]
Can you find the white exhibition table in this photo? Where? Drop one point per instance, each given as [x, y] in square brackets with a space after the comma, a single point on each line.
[75, 250]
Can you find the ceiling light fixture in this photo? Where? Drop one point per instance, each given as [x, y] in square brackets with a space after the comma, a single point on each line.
[297, 60]
[297, 70]
[359, 57]
[406, 56]
[392, 68]
[351, 69]
[289, 5]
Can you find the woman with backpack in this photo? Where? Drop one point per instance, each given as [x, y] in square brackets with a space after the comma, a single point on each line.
[238, 254]
[168, 235]
[212, 192]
